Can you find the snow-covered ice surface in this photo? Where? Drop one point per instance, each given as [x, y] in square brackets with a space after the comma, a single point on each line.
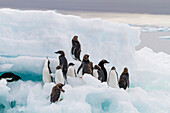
[27, 37]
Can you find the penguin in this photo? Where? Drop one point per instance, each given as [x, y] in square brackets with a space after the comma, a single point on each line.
[10, 77]
[76, 48]
[58, 77]
[71, 71]
[85, 65]
[124, 79]
[47, 78]
[98, 73]
[63, 63]
[113, 78]
[56, 93]
[101, 64]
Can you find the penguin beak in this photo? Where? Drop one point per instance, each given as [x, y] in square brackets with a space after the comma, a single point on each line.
[57, 52]
[106, 61]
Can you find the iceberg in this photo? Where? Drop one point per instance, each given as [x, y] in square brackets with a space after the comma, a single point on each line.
[27, 37]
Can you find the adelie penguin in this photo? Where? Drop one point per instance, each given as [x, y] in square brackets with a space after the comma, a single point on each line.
[63, 63]
[124, 79]
[85, 66]
[101, 64]
[46, 76]
[58, 76]
[56, 93]
[10, 77]
[98, 73]
[76, 48]
[71, 71]
[113, 78]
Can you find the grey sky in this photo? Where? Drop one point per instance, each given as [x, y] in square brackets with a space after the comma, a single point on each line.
[127, 6]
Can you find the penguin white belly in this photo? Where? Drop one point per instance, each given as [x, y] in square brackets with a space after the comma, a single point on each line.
[71, 72]
[46, 76]
[112, 81]
[58, 60]
[95, 73]
[59, 77]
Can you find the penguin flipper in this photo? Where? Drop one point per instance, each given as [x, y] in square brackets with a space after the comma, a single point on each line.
[75, 73]
[72, 50]
[79, 68]
[78, 55]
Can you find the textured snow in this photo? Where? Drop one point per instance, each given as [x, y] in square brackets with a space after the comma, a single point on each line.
[27, 37]
[41, 33]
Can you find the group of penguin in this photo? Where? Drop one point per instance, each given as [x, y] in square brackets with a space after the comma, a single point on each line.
[63, 70]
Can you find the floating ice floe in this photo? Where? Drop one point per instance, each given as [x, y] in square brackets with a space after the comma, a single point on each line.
[27, 37]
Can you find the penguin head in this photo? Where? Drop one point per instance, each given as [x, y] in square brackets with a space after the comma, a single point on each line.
[103, 62]
[57, 87]
[71, 64]
[125, 71]
[86, 57]
[97, 67]
[47, 61]
[75, 38]
[60, 86]
[113, 68]
[58, 67]
[60, 52]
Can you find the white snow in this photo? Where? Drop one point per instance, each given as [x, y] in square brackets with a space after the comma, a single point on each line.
[27, 37]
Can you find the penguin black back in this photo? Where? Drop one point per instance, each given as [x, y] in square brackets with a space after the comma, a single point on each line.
[63, 62]
[101, 76]
[124, 79]
[49, 67]
[10, 77]
[76, 48]
[101, 64]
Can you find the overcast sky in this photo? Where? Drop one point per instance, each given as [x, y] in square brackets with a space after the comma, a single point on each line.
[126, 6]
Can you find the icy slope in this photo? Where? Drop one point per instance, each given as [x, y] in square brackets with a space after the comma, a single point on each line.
[41, 33]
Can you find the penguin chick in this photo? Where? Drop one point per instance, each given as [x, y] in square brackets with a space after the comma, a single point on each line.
[76, 48]
[124, 79]
[85, 65]
[56, 92]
